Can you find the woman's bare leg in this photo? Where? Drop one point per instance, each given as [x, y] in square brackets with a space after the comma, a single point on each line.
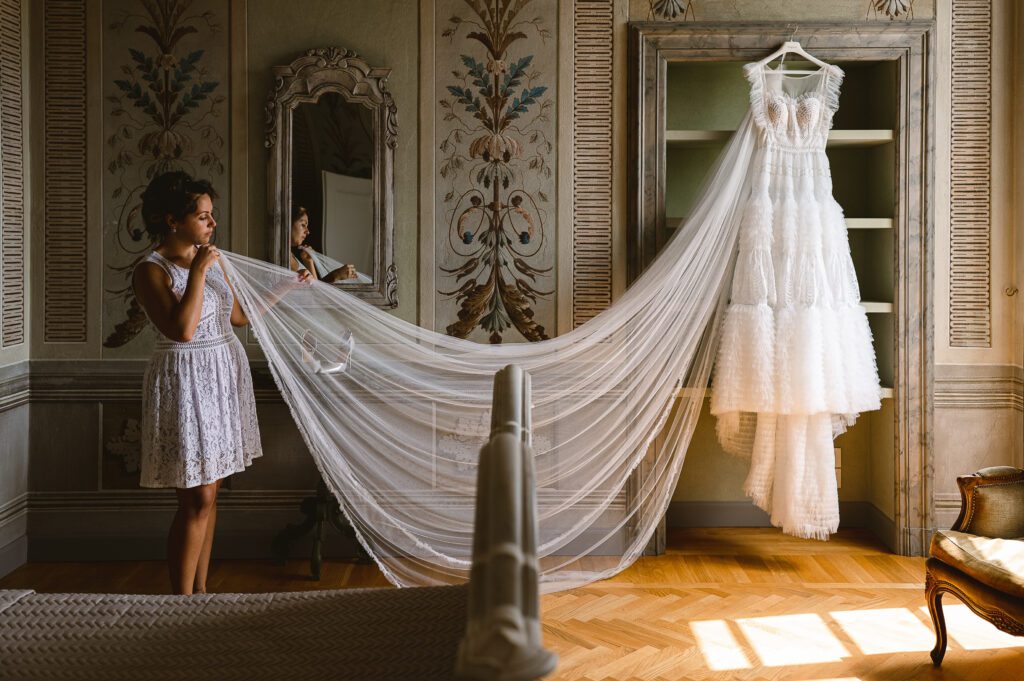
[203, 566]
[188, 532]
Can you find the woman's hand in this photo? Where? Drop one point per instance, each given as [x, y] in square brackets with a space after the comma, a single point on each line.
[343, 272]
[305, 257]
[205, 256]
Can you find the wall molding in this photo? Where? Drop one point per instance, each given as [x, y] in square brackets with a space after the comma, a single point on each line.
[132, 525]
[947, 509]
[970, 208]
[144, 499]
[13, 509]
[948, 501]
[12, 173]
[973, 386]
[14, 385]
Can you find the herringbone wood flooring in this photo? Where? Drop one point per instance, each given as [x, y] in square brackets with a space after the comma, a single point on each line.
[721, 604]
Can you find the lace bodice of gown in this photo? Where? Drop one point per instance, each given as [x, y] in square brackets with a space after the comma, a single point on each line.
[794, 112]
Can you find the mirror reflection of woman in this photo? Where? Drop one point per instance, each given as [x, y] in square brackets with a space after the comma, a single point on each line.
[302, 255]
[198, 410]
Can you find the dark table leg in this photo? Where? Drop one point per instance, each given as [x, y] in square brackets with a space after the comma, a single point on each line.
[318, 509]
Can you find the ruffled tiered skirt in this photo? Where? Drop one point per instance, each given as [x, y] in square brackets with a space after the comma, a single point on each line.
[795, 347]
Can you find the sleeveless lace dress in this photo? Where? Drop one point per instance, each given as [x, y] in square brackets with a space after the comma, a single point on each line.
[198, 410]
[796, 365]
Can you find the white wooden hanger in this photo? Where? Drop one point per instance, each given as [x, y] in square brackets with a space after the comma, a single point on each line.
[791, 47]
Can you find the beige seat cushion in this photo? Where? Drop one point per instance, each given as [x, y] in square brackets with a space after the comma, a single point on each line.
[999, 563]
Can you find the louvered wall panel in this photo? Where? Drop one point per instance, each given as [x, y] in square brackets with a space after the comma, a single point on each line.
[592, 158]
[65, 289]
[970, 304]
[12, 191]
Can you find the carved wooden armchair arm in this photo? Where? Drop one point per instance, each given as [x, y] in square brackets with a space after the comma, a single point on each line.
[992, 503]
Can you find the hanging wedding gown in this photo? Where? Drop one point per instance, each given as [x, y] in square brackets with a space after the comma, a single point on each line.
[796, 364]
[395, 415]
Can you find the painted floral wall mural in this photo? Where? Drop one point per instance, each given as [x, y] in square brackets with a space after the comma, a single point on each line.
[165, 95]
[496, 176]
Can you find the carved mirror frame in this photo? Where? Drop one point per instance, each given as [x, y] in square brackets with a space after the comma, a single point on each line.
[316, 73]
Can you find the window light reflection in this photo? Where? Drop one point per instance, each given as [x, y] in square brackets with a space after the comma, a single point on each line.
[885, 630]
[719, 647]
[792, 639]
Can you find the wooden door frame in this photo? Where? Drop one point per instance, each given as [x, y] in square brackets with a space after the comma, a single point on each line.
[911, 44]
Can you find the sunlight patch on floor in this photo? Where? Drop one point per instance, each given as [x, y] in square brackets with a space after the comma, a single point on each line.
[973, 633]
[786, 640]
[719, 647]
[886, 630]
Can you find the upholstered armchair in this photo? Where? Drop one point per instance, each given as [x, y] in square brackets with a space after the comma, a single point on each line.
[981, 559]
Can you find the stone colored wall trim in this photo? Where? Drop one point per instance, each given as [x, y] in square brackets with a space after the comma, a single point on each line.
[13, 509]
[979, 387]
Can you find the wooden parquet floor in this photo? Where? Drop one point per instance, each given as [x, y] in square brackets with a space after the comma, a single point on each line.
[744, 604]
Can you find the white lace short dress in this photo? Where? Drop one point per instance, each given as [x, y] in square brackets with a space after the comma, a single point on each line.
[198, 409]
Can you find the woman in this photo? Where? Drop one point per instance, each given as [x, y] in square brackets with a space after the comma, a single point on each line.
[302, 255]
[198, 411]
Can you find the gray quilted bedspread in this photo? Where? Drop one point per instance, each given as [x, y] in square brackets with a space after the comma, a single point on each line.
[362, 634]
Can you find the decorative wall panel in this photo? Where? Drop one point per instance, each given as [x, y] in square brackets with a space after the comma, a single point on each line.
[12, 191]
[592, 158]
[166, 72]
[970, 304]
[65, 226]
[495, 132]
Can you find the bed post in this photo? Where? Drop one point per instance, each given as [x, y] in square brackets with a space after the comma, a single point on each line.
[503, 634]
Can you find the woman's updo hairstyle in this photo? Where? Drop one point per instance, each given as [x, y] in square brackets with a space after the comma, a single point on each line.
[298, 212]
[174, 193]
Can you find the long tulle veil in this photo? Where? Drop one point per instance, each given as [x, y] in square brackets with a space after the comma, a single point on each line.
[394, 415]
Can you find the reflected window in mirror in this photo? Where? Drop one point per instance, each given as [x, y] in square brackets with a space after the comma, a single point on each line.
[332, 188]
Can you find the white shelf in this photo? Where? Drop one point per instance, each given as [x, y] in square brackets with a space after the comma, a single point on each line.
[887, 393]
[859, 138]
[876, 308]
[869, 223]
[836, 138]
[696, 138]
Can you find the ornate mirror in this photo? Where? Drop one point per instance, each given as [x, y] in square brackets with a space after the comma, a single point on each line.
[331, 131]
